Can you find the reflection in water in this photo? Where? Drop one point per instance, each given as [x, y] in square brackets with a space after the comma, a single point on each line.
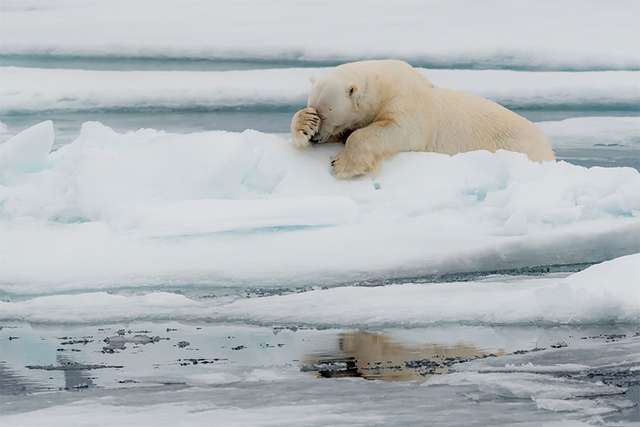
[12, 383]
[376, 356]
[74, 379]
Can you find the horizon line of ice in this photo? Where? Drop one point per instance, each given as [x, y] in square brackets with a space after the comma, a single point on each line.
[30, 90]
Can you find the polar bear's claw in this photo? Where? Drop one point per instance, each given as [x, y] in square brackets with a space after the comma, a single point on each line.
[345, 166]
[304, 126]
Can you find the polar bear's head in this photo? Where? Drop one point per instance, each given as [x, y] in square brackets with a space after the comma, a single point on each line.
[338, 98]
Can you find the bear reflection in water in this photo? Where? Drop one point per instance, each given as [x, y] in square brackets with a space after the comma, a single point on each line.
[376, 356]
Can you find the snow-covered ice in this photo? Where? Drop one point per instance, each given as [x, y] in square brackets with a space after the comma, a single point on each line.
[621, 133]
[149, 207]
[596, 141]
[604, 293]
[574, 34]
[26, 152]
[553, 394]
[103, 307]
[100, 414]
[334, 404]
[32, 90]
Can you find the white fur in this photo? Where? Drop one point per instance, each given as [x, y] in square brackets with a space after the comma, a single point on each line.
[380, 108]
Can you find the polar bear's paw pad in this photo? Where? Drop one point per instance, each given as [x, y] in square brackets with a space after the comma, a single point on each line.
[306, 124]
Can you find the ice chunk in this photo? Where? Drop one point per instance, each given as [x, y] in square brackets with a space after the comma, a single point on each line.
[27, 151]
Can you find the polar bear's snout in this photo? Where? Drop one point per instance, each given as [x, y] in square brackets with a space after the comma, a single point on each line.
[325, 131]
[328, 131]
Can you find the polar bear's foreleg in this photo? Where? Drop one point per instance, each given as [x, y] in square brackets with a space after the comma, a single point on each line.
[366, 148]
[304, 125]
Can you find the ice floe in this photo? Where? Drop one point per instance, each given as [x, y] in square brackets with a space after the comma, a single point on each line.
[149, 207]
[499, 33]
[604, 293]
[33, 90]
[614, 133]
[607, 292]
[553, 394]
[100, 307]
[196, 415]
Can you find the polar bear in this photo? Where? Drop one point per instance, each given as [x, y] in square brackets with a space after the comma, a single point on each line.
[381, 107]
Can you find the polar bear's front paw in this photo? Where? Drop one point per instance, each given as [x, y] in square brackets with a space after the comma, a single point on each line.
[304, 126]
[347, 166]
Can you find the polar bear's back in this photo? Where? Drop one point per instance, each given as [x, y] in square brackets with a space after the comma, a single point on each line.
[467, 122]
[387, 71]
[442, 120]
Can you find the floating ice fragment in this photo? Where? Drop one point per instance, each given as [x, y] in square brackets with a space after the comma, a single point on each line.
[27, 151]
